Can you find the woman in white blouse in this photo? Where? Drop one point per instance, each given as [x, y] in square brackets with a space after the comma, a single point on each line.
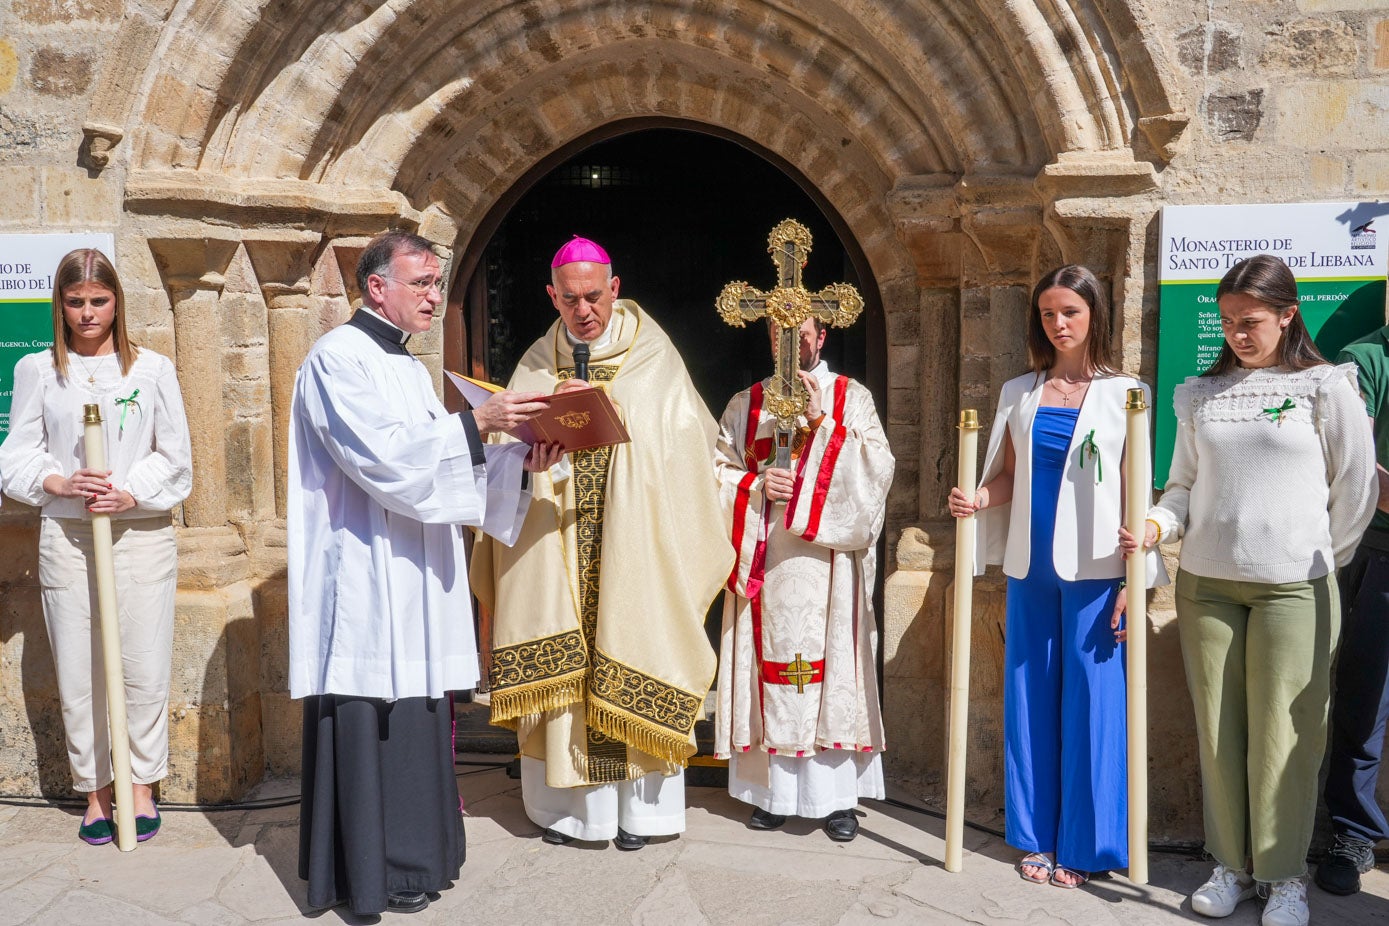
[1272, 483]
[150, 471]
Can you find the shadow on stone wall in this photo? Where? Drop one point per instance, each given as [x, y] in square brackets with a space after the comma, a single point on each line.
[31, 741]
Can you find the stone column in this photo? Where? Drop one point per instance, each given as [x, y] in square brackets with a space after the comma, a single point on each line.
[215, 751]
[194, 271]
[283, 268]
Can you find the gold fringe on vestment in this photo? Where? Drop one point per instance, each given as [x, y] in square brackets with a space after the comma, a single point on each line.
[640, 734]
[512, 704]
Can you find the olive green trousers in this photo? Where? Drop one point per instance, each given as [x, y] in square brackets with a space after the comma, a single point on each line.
[1258, 664]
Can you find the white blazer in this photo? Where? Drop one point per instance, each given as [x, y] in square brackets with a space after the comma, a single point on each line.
[1089, 508]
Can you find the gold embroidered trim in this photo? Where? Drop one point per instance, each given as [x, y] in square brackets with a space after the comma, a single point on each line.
[537, 676]
[540, 660]
[640, 734]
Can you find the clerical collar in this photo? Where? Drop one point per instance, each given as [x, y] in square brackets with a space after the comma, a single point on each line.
[388, 336]
[598, 343]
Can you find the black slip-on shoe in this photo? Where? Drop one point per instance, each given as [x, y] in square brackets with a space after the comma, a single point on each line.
[556, 838]
[762, 820]
[403, 902]
[842, 825]
[627, 842]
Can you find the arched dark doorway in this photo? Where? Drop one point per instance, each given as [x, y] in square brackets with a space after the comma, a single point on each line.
[682, 212]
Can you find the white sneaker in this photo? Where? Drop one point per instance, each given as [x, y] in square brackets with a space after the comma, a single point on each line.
[1223, 891]
[1287, 904]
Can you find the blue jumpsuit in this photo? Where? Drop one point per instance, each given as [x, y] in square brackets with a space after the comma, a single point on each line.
[1065, 724]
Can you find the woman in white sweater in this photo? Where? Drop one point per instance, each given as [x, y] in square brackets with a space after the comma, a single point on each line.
[42, 463]
[1272, 483]
[1050, 508]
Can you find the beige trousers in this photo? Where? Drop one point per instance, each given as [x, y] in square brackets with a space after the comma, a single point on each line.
[146, 565]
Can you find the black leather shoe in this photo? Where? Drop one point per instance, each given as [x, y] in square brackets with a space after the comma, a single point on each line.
[556, 838]
[842, 825]
[407, 903]
[1346, 859]
[627, 842]
[761, 820]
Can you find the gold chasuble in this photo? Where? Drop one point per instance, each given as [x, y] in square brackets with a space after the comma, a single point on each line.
[599, 660]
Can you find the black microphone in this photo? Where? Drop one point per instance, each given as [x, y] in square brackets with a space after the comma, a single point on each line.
[581, 361]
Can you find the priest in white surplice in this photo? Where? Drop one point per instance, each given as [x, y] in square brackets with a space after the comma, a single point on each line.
[380, 628]
[798, 714]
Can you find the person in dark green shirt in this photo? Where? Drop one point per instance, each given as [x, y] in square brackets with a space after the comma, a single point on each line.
[1361, 706]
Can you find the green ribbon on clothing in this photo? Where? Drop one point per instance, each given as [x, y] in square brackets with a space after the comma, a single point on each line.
[1276, 414]
[1088, 447]
[126, 404]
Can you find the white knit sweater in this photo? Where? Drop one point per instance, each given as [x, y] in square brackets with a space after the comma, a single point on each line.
[1263, 495]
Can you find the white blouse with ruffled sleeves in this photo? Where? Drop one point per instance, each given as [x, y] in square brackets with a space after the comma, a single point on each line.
[1273, 474]
[147, 445]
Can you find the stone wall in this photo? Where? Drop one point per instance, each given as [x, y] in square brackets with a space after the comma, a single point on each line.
[243, 150]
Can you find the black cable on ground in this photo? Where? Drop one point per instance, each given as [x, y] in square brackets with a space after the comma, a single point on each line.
[269, 803]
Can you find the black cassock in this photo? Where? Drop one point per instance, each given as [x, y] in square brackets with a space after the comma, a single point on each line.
[379, 813]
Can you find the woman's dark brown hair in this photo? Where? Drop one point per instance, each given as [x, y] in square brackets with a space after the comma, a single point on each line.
[1267, 279]
[88, 265]
[1099, 354]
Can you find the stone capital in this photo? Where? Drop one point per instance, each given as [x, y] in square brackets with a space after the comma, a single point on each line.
[283, 262]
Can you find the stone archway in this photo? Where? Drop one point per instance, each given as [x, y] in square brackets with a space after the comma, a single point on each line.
[962, 142]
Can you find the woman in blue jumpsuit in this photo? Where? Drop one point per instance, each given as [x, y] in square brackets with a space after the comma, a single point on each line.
[1050, 508]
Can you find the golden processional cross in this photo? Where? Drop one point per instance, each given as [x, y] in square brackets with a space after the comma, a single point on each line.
[787, 307]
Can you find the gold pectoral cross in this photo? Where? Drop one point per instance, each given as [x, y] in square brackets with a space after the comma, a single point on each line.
[787, 307]
[798, 672]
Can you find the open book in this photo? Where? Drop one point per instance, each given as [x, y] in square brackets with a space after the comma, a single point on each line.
[579, 420]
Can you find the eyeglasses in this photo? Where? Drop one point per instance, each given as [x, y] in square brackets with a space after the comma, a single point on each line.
[421, 286]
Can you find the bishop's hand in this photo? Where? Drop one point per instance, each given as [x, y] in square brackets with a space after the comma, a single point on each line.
[506, 410]
[542, 456]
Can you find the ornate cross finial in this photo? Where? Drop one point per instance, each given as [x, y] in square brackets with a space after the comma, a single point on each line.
[787, 306]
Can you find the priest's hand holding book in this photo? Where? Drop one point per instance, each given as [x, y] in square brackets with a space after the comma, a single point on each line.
[506, 410]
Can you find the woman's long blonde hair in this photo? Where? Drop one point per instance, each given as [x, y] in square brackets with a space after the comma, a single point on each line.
[88, 265]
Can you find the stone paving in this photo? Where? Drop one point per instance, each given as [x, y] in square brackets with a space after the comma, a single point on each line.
[234, 867]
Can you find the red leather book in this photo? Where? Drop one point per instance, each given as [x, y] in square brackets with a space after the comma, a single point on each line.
[578, 420]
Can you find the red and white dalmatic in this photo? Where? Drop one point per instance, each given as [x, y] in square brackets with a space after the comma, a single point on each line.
[797, 666]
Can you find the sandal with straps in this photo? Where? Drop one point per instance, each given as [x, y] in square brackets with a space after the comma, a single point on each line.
[1037, 860]
[1081, 876]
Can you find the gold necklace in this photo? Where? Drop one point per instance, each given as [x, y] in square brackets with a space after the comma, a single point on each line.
[91, 374]
[1066, 396]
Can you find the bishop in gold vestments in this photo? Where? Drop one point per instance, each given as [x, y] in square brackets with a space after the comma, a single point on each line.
[600, 660]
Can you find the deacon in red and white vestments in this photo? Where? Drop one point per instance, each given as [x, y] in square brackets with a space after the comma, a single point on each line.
[798, 711]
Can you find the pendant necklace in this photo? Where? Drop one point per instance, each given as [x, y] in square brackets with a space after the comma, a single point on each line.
[1066, 396]
[91, 374]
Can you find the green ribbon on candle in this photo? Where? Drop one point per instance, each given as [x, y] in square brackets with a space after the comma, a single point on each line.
[1276, 414]
[1088, 447]
[126, 404]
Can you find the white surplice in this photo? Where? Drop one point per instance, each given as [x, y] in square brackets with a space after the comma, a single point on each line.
[803, 690]
[381, 477]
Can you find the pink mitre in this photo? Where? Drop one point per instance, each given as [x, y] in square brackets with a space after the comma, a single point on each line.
[580, 249]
